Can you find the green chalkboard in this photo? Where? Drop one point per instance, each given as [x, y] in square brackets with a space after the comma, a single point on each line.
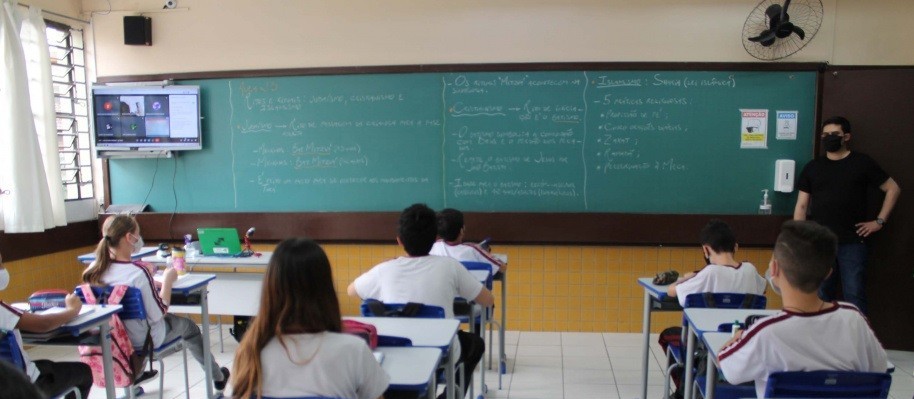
[558, 141]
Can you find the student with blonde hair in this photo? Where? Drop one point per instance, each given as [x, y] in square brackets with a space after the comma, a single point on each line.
[295, 346]
[113, 266]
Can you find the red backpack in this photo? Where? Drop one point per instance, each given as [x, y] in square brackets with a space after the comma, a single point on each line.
[128, 364]
[365, 331]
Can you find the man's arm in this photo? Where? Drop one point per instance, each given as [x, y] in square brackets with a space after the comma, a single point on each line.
[350, 290]
[799, 212]
[671, 290]
[485, 297]
[41, 323]
[892, 192]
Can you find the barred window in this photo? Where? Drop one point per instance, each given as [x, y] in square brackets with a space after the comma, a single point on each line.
[68, 72]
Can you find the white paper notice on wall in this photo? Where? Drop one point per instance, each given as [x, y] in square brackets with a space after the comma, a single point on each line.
[787, 125]
[754, 128]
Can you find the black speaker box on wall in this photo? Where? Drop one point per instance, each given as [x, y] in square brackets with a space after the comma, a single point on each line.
[138, 30]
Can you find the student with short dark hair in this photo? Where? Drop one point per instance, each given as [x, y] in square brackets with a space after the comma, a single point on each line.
[426, 279]
[51, 378]
[295, 346]
[809, 333]
[723, 273]
[113, 266]
[451, 232]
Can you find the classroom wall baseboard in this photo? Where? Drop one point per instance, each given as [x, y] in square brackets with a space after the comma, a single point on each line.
[503, 227]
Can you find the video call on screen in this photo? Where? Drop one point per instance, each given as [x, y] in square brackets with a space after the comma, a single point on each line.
[146, 118]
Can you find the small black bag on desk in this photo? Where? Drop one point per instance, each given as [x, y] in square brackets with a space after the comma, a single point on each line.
[239, 326]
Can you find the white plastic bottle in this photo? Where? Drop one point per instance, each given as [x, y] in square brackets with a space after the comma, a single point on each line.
[764, 207]
[735, 329]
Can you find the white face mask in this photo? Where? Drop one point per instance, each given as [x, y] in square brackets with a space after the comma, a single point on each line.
[777, 290]
[138, 245]
[4, 279]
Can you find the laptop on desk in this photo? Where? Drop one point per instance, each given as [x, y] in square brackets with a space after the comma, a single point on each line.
[219, 241]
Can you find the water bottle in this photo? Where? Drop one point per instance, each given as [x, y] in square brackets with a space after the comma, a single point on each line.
[764, 207]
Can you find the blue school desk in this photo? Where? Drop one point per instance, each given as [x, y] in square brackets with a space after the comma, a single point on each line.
[90, 257]
[79, 331]
[655, 300]
[699, 321]
[434, 333]
[411, 368]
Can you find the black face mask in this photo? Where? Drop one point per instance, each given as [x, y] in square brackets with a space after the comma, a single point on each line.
[832, 142]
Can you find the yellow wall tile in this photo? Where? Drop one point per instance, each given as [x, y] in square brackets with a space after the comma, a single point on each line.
[550, 288]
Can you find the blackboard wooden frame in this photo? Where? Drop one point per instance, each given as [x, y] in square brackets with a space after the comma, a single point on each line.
[504, 227]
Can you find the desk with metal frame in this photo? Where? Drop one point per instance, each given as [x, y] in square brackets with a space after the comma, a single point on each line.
[79, 332]
[186, 286]
[411, 368]
[699, 321]
[435, 333]
[655, 299]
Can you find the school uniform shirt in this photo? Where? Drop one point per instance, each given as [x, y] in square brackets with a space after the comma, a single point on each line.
[742, 279]
[9, 318]
[429, 280]
[465, 252]
[323, 364]
[837, 338]
[133, 275]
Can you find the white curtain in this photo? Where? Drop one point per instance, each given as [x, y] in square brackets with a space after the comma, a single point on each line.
[26, 204]
[34, 38]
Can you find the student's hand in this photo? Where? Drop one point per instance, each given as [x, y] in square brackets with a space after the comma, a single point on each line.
[735, 338]
[170, 275]
[73, 303]
[864, 229]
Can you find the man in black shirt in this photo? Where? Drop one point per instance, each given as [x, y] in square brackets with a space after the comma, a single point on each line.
[833, 192]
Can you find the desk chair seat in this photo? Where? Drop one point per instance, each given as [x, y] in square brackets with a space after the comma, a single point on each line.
[828, 384]
[134, 309]
[720, 300]
[9, 352]
[724, 390]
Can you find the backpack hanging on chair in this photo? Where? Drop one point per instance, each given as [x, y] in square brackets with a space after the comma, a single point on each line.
[128, 363]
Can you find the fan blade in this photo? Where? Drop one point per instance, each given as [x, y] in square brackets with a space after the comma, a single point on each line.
[774, 15]
[800, 32]
[763, 37]
[784, 30]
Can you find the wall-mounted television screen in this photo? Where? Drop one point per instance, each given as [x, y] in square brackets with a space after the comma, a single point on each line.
[147, 118]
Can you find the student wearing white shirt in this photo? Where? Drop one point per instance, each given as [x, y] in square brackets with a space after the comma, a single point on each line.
[809, 334]
[723, 273]
[295, 346]
[451, 233]
[426, 279]
[51, 378]
[113, 266]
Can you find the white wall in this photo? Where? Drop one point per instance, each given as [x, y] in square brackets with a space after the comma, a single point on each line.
[208, 35]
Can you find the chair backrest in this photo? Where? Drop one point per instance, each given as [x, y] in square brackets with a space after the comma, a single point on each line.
[424, 311]
[132, 302]
[725, 300]
[480, 266]
[9, 350]
[828, 384]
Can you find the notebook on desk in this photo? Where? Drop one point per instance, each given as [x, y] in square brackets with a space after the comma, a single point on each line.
[219, 241]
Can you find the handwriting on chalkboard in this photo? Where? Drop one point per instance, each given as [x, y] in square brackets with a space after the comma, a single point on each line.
[505, 141]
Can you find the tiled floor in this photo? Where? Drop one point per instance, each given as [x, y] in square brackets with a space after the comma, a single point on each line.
[540, 365]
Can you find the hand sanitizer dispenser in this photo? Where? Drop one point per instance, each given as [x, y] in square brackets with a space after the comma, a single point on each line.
[784, 171]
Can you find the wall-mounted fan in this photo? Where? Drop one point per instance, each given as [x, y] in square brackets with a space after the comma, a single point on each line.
[775, 30]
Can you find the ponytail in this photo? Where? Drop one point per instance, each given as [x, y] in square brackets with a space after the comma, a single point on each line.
[113, 231]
